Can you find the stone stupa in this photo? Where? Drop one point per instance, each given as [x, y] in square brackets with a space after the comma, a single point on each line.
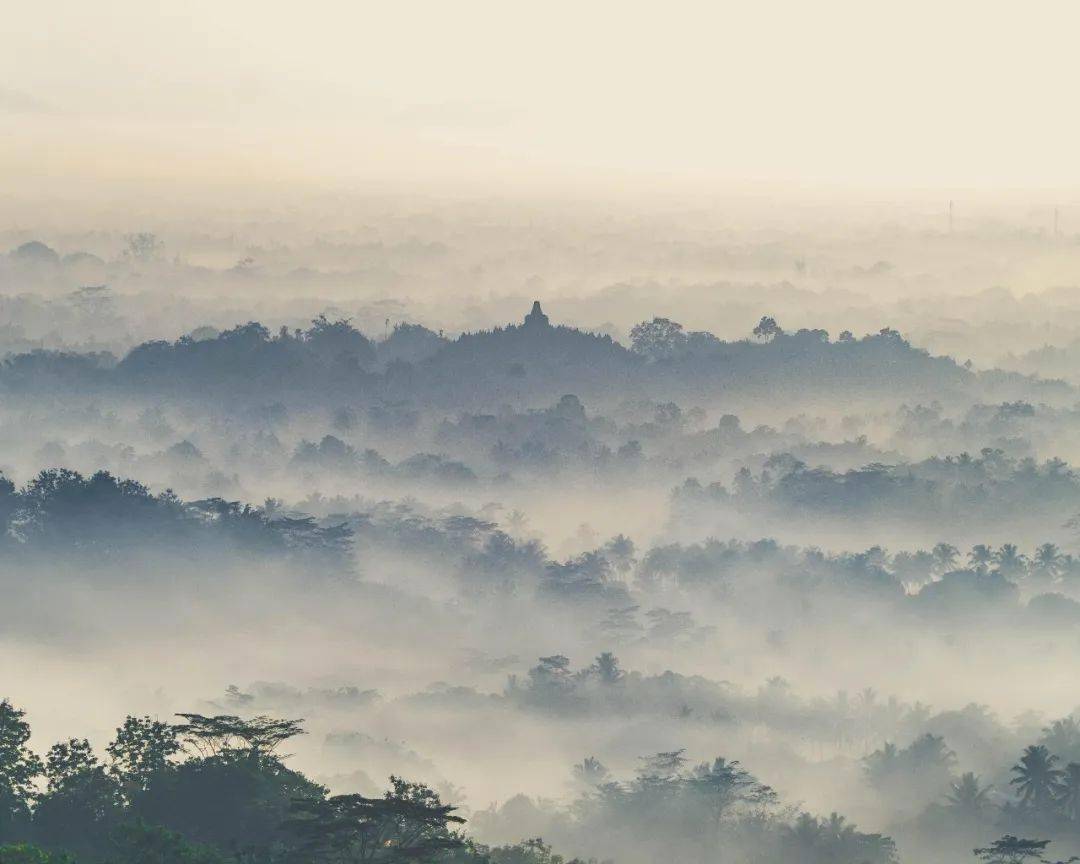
[536, 318]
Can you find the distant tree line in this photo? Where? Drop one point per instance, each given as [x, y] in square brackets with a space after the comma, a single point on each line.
[331, 358]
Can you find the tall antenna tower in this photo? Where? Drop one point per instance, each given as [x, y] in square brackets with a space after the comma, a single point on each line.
[1055, 221]
[950, 216]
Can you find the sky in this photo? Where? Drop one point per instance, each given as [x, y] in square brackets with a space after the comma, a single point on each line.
[498, 94]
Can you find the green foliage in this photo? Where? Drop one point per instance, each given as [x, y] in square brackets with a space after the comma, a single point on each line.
[139, 843]
[25, 853]
[82, 802]
[1012, 850]
[236, 799]
[19, 768]
[409, 824]
[223, 733]
[210, 790]
[141, 749]
[533, 851]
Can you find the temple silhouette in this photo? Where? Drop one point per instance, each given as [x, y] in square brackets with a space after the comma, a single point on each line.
[536, 317]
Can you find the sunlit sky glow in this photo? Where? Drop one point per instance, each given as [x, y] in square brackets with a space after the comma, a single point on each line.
[847, 93]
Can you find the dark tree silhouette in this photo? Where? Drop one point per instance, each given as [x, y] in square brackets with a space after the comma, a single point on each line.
[409, 824]
[1036, 778]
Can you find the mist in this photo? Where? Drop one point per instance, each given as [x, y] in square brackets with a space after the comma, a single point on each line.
[472, 435]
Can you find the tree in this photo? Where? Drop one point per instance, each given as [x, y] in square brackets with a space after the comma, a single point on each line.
[607, 668]
[339, 341]
[137, 842]
[25, 853]
[1047, 562]
[1014, 850]
[143, 246]
[620, 551]
[1010, 561]
[1036, 778]
[1062, 738]
[662, 766]
[591, 771]
[722, 784]
[835, 841]
[410, 823]
[222, 733]
[967, 798]
[532, 851]
[234, 799]
[922, 770]
[82, 801]
[767, 329]
[980, 556]
[141, 749]
[1068, 792]
[19, 768]
[945, 555]
[659, 339]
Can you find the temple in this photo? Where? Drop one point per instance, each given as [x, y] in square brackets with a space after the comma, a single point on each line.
[537, 318]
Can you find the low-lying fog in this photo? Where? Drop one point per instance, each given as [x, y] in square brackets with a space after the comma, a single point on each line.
[796, 497]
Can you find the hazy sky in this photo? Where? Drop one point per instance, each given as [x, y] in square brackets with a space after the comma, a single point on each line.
[851, 93]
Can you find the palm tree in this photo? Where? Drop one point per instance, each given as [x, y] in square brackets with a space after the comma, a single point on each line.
[1047, 561]
[980, 556]
[1036, 778]
[620, 550]
[1068, 793]
[967, 797]
[1048, 555]
[804, 836]
[881, 763]
[837, 826]
[1009, 560]
[1062, 738]
[945, 555]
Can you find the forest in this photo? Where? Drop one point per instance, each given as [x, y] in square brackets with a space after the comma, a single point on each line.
[483, 432]
[534, 576]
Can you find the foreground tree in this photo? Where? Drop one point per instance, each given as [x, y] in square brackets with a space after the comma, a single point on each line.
[19, 768]
[233, 801]
[81, 805]
[225, 733]
[409, 824]
[141, 751]
[1016, 850]
[139, 843]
